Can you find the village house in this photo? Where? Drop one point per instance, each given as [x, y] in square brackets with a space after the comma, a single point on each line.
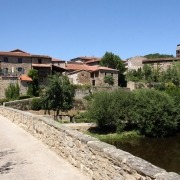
[90, 75]
[161, 63]
[86, 60]
[15, 65]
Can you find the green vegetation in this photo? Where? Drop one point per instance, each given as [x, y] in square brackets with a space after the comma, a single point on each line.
[114, 61]
[157, 55]
[151, 112]
[58, 96]
[115, 136]
[160, 78]
[36, 104]
[33, 88]
[109, 80]
[12, 91]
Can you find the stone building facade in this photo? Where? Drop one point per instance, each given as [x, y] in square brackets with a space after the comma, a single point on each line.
[162, 63]
[14, 64]
[91, 75]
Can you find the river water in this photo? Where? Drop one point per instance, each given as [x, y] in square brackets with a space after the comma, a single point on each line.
[162, 152]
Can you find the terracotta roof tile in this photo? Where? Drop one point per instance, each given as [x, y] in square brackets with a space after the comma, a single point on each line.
[87, 68]
[20, 53]
[25, 78]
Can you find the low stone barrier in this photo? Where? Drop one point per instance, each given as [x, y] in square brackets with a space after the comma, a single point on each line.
[96, 159]
[24, 104]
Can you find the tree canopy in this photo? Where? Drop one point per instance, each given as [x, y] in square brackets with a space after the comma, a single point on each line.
[33, 88]
[157, 55]
[58, 96]
[113, 61]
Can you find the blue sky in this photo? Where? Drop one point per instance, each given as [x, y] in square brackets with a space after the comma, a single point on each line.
[67, 29]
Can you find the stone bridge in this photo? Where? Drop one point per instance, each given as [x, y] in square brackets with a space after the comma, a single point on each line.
[95, 159]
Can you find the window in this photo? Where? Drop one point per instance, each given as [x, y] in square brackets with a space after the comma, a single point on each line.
[6, 59]
[20, 70]
[105, 73]
[93, 82]
[111, 74]
[39, 61]
[5, 71]
[19, 60]
[92, 75]
[97, 74]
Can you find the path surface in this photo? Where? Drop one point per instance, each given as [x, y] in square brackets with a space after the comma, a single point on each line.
[23, 157]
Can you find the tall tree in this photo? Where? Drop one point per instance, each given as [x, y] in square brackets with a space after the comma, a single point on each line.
[58, 96]
[114, 61]
[33, 88]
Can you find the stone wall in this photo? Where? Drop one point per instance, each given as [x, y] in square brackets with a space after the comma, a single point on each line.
[96, 159]
[24, 104]
[5, 82]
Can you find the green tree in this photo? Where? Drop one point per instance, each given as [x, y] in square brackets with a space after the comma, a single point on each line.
[157, 55]
[58, 96]
[12, 91]
[114, 61]
[109, 80]
[33, 88]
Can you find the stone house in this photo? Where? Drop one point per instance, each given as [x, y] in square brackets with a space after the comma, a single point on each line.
[90, 75]
[91, 61]
[15, 65]
[162, 63]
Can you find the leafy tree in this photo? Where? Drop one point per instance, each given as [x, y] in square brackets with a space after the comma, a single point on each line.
[109, 80]
[12, 91]
[58, 96]
[114, 61]
[33, 88]
[157, 55]
[155, 113]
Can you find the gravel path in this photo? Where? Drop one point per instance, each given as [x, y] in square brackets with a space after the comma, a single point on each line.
[23, 157]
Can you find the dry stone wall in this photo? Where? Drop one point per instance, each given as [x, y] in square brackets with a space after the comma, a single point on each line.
[96, 159]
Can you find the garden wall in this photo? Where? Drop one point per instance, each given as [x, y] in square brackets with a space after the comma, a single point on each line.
[24, 104]
[96, 159]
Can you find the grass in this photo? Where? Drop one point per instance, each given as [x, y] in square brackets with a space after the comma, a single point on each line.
[106, 136]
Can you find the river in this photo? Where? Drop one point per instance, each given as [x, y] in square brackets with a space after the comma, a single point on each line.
[162, 152]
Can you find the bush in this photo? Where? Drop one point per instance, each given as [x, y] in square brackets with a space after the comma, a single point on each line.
[36, 104]
[82, 117]
[12, 91]
[100, 110]
[109, 80]
[155, 113]
[151, 112]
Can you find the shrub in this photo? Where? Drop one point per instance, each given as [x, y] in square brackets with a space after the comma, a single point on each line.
[151, 112]
[155, 113]
[109, 80]
[100, 110]
[36, 104]
[12, 91]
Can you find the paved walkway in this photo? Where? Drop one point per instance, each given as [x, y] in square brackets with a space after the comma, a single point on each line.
[23, 157]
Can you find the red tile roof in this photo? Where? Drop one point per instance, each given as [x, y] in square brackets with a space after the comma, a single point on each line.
[25, 78]
[57, 60]
[20, 53]
[93, 60]
[85, 67]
